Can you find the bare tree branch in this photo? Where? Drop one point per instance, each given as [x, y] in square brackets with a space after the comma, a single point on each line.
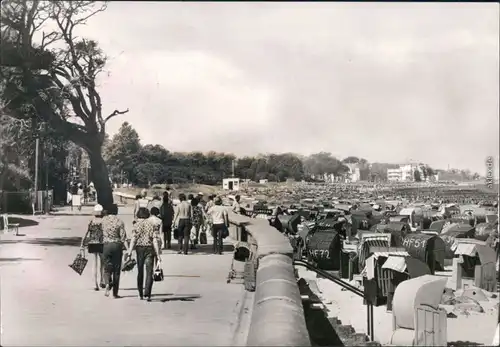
[114, 114]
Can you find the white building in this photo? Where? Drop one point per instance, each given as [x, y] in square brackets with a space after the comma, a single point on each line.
[231, 184]
[353, 174]
[405, 173]
[264, 181]
[394, 175]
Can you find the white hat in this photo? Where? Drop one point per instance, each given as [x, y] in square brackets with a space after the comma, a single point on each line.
[200, 193]
[98, 209]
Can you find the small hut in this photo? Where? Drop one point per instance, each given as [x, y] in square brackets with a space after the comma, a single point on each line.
[429, 249]
[323, 248]
[458, 231]
[437, 226]
[479, 262]
[369, 240]
[386, 267]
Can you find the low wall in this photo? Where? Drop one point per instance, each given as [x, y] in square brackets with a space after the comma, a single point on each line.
[277, 316]
[124, 198]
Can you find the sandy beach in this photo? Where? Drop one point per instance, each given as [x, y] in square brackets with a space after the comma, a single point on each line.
[473, 327]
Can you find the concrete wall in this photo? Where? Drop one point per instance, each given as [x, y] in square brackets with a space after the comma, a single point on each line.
[277, 316]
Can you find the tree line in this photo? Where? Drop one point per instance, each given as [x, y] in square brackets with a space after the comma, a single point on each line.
[130, 161]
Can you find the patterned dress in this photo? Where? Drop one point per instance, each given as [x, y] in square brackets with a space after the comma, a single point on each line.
[157, 223]
[144, 233]
[94, 233]
[197, 219]
[113, 229]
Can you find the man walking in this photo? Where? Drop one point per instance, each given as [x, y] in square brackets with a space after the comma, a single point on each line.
[167, 216]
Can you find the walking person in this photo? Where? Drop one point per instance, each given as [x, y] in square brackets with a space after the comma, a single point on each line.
[156, 202]
[155, 219]
[145, 242]
[182, 222]
[167, 217]
[114, 241]
[94, 240]
[236, 208]
[197, 221]
[209, 203]
[33, 200]
[220, 223]
[141, 201]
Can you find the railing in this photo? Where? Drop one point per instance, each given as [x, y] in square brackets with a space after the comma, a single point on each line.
[347, 286]
[278, 316]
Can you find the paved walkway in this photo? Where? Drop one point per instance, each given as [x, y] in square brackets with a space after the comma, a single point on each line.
[43, 302]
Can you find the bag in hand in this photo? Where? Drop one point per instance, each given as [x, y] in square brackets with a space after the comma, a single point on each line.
[128, 264]
[176, 233]
[203, 238]
[158, 274]
[79, 263]
[225, 232]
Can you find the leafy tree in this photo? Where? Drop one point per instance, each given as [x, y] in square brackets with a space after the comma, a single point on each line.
[54, 79]
[351, 160]
[122, 151]
[416, 176]
[12, 167]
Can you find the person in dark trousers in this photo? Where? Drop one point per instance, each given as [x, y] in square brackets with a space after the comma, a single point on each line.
[220, 223]
[114, 241]
[182, 221]
[146, 244]
[167, 217]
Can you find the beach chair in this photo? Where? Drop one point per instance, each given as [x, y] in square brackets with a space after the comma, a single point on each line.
[7, 225]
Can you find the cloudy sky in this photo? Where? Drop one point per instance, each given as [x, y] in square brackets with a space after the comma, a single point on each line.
[388, 82]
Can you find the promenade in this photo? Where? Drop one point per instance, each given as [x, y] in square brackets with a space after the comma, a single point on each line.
[43, 302]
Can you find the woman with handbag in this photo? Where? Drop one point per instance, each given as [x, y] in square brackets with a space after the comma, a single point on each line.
[220, 224]
[114, 241]
[146, 244]
[94, 240]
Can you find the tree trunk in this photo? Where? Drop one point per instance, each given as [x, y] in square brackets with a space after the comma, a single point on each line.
[100, 178]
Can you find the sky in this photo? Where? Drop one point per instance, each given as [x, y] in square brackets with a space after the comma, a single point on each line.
[389, 82]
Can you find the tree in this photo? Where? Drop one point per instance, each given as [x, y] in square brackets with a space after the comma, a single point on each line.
[423, 168]
[416, 176]
[351, 160]
[11, 154]
[57, 83]
[122, 151]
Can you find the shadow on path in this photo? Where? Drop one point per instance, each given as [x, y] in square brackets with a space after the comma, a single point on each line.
[165, 297]
[23, 222]
[209, 249]
[178, 297]
[57, 241]
[17, 259]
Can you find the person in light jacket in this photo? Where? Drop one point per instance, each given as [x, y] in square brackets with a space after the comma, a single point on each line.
[220, 224]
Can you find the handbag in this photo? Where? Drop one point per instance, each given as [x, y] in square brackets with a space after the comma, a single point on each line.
[128, 264]
[225, 232]
[176, 233]
[79, 263]
[203, 238]
[158, 274]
